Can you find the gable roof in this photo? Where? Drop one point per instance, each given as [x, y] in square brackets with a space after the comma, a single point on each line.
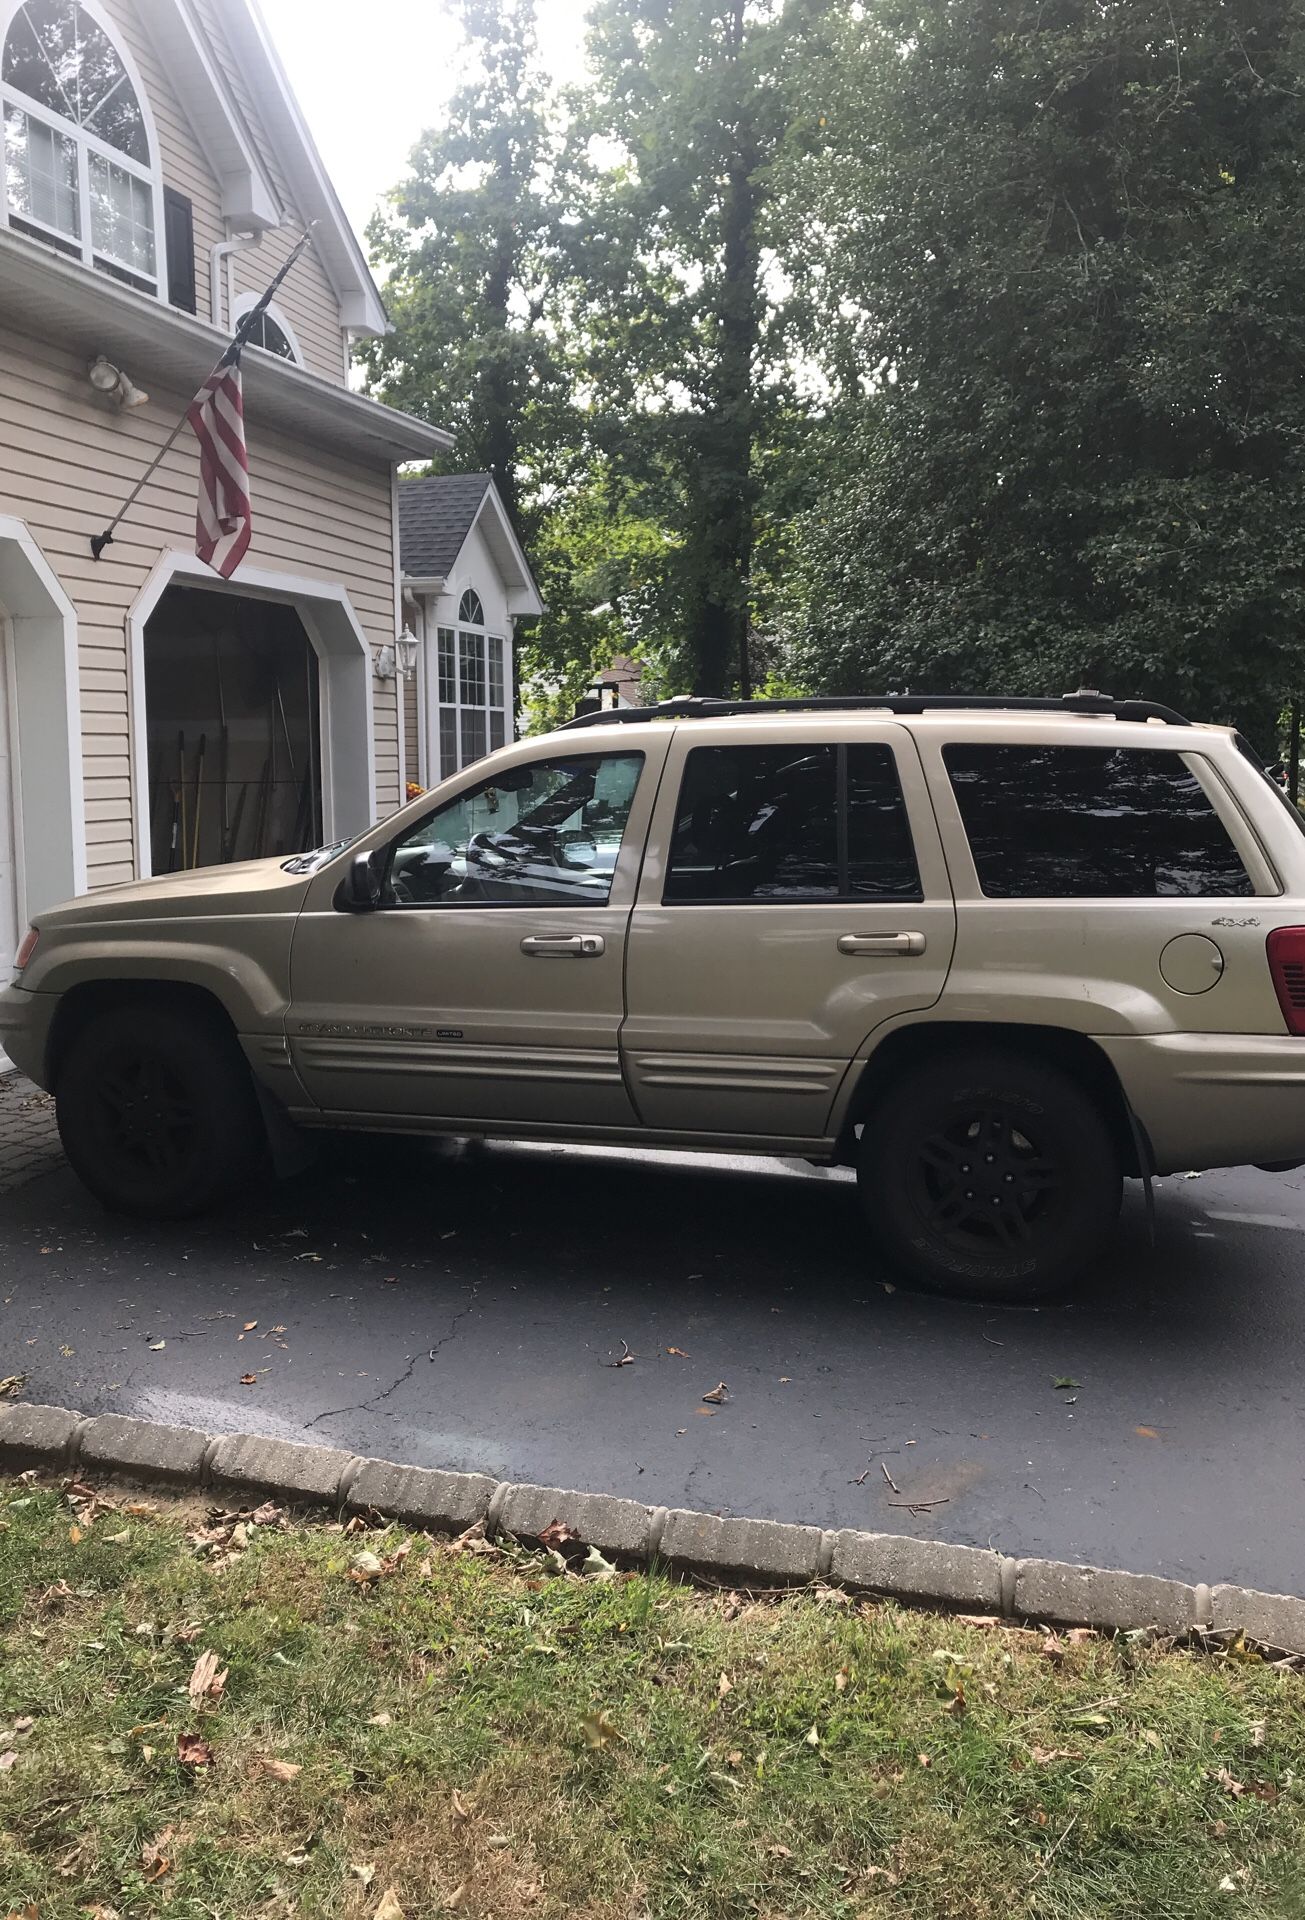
[436, 515]
[249, 198]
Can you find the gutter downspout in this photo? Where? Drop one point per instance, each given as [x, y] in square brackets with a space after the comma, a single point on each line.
[219, 257]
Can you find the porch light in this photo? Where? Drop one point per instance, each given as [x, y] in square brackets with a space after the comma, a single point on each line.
[406, 652]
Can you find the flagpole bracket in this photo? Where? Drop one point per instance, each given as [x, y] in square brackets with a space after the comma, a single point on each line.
[99, 541]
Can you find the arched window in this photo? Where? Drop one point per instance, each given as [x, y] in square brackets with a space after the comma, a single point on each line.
[474, 687]
[271, 331]
[79, 168]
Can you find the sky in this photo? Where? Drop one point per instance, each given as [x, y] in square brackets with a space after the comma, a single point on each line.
[368, 94]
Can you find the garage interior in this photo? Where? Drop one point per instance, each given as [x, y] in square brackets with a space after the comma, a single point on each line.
[233, 729]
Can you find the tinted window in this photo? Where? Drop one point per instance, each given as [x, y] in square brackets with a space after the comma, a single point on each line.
[790, 823]
[1113, 822]
[547, 834]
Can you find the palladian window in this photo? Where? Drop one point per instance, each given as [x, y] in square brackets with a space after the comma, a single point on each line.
[78, 168]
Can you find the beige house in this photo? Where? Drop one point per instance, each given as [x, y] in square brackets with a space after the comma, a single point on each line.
[157, 172]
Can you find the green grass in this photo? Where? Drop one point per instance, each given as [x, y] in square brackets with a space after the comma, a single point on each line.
[1087, 1778]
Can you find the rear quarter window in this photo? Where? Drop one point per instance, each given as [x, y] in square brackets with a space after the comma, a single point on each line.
[1091, 822]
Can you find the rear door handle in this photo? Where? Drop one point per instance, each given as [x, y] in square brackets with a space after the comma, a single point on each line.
[564, 946]
[904, 943]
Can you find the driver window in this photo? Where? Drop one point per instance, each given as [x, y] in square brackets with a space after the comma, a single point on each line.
[547, 834]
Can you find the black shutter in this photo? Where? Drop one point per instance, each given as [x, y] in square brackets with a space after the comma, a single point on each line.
[179, 229]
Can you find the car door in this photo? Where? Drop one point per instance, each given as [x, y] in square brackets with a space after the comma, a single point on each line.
[489, 983]
[794, 897]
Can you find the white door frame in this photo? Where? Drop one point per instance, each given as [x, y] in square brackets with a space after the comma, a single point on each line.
[45, 725]
[348, 764]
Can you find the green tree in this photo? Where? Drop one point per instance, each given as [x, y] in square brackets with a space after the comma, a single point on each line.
[1057, 259]
[469, 247]
[677, 296]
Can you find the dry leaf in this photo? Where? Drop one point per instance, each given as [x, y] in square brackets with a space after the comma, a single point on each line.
[557, 1535]
[205, 1680]
[389, 1908]
[74, 1534]
[1147, 1433]
[282, 1770]
[8, 1760]
[364, 1873]
[925, 1760]
[723, 1686]
[1045, 1756]
[12, 1385]
[719, 1394]
[192, 1751]
[1235, 1787]
[380, 1720]
[598, 1730]
[957, 1704]
[366, 1566]
[840, 1680]
[250, 1325]
[457, 1897]
[249, 1379]
[154, 1857]
[157, 1346]
[461, 1811]
[678, 1352]
[813, 1738]
[267, 1515]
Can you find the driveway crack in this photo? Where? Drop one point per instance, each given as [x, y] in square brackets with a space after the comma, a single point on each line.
[375, 1399]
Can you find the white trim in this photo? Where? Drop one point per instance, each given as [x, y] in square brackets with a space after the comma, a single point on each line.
[9, 731]
[240, 307]
[89, 142]
[50, 825]
[348, 779]
[400, 683]
[249, 200]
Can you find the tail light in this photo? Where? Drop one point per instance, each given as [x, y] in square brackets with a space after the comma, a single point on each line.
[1286, 949]
[27, 949]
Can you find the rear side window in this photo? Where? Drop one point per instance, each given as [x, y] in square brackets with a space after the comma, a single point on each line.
[757, 824]
[1090, 822]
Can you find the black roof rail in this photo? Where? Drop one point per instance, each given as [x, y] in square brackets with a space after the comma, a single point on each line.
[707, 707]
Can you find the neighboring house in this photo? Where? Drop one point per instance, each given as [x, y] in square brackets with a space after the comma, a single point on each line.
[466, 583]
[157, 172]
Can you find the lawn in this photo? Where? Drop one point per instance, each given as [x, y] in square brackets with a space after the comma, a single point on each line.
[211, 1715]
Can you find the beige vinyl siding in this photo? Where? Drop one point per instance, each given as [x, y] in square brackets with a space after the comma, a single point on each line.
[307, 297]
[411, 733]
[66, 464]
[184, 163]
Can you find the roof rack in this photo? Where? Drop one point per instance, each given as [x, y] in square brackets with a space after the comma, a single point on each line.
[707, 707]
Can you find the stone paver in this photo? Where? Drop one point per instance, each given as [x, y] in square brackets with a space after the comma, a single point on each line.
[29, 1140]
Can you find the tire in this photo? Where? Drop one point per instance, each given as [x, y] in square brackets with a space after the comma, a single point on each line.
[1036, 1148]
[157, 1113]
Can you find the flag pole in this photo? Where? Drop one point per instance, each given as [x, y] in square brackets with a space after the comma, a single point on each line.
[99, 541]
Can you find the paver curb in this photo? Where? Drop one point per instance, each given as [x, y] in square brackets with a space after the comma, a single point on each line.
[742, 1552]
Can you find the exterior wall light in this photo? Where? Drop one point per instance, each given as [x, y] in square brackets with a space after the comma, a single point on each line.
[118, 386]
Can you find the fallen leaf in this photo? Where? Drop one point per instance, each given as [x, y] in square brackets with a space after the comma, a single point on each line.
[267, 1515]
[381, 1720]
[1078, 1636]
[1235, 1787]
[595, 1567]
[840, 1680]
[117, 1539]
[627, 1359]
[8, 1760]
[679, 1352]
[598, 1730]
[192, 1751]
[719, 1394]
[1152, 1738]
[205, 1680]
[1047, 1756]
[154, 1856]
[1227, 1884]
[925, 1760]
[1147, 1433]
[157, 1346]
[457, 1897]
[282, 1770]
[557, 1535]
[366, 1566]
[74, 1534]
[249, 1379]
[12, 1385]
[67, 1352]
[461, 1811]
[23, 1724]
[364, 1873]
[389, 1908]
[813, 1738]
[1063, 1380]
[250, 1325]
[957, 1705]
[723, 1686]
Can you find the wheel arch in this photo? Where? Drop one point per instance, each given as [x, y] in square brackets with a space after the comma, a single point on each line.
[82, 1003]
[913, 1045]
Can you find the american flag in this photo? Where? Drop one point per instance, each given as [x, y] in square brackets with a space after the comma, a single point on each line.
[224, 520]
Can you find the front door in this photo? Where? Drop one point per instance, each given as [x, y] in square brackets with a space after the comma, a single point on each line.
[794, 897]
[489, 985]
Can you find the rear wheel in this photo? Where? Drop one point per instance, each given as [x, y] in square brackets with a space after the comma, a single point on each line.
[990, 1176]
[157, 1112]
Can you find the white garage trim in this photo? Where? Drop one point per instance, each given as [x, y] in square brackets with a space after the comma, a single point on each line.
[345, 675]
[46, 724]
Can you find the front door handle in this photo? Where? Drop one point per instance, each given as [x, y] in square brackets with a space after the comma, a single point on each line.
[904, 943]
[564, 946]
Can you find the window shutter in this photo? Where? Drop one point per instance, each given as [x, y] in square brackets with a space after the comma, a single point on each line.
[179, 229]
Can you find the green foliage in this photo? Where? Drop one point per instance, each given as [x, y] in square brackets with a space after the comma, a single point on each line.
[1055, 271]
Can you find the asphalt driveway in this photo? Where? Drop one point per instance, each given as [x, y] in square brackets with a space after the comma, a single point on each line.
[464, 1308]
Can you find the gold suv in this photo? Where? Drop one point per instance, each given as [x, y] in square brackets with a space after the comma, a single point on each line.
[995, 954]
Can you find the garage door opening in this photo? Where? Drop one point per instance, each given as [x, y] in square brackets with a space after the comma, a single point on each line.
[233, 730]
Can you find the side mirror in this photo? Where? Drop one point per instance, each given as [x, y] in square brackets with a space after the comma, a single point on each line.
[360, 890]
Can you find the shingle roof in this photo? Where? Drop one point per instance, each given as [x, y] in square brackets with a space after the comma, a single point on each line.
[435, 517]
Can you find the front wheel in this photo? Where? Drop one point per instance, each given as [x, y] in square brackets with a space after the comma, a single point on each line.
[989, 1176]
[157, 1113]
